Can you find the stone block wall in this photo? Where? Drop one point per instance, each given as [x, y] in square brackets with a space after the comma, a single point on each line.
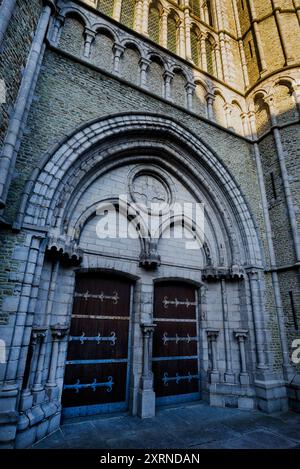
[14, 53]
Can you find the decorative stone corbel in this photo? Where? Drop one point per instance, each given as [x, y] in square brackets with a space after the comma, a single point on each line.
[149, 258]
[64, 249]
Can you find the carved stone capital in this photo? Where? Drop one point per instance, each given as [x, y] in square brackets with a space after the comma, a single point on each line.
[241, 334]
[65, 250]
[148, 328]
[212, 334]
[38, 333]
[59, 331]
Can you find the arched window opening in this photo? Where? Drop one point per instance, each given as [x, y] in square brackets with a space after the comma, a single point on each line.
[195, 47]
[106, 7]
[154, 23]
[195, 7]
[209, 56]
[127, 13]
[172, 34]
[209, 12]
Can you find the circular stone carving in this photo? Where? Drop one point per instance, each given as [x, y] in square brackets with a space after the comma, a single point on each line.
[148, 188]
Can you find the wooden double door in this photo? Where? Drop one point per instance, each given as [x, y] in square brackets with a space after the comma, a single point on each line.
[175, 355]
[97, 367]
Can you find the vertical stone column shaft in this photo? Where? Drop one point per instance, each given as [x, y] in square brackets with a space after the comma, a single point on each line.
[258, 319]
[6, 10]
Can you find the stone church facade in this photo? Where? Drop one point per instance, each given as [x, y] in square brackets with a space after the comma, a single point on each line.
[180, 101]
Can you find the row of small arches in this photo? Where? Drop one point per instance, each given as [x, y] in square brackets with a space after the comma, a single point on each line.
[227, 113]
[101, 54]
[173, 21]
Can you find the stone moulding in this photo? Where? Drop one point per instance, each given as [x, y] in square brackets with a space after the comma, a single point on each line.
[66, 251]
[212, 274]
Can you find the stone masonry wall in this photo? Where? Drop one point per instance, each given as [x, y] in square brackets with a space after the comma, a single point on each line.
[14, 53]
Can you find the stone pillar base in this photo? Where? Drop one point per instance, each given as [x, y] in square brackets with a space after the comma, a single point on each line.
[8, 417]
[214, 377]
[293, 393]
[229, 378]
[271, 395]
[146, 403]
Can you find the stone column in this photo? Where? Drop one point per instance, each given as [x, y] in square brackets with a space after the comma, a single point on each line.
[240, 42]
[285, 179]
[164, 28]
[146, 406]
[117, 10]
[139, 16]
[227, 110]
[288, 59]
[205, 13]
[6, 10]
[244, 117]
[58, 331]
[203, 52]
[56, 28]
[258, 38]
[212, 336]
[187, 27]
[38, 334]
[229, 375]
[118, 51]
[287, 368]
[181, 40]
[258, 316]
[38, 389]
[241, 336]
[145, 17]
[89, 37]
[210, 103]
[190, 88]
[168, 77]
[218, 61]
[144, 64]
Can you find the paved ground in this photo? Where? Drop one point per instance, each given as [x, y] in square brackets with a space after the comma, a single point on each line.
[189, 426]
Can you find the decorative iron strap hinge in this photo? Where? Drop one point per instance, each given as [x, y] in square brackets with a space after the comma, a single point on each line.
[112, 338]
[178, 378]
[187, 303]
[94, 385]
[177, 339]
[115, 297]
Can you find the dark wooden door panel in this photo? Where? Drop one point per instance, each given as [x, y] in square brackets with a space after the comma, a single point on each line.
[94, 384]
[97, 358]
[98, 338]
[175, 301]
[175, 340]
[175, 377]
